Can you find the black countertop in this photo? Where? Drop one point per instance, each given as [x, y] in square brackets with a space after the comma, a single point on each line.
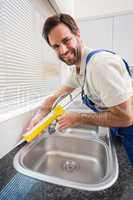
[15, 186]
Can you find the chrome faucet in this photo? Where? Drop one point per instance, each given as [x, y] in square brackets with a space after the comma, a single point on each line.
[59, 99]
[52, 127]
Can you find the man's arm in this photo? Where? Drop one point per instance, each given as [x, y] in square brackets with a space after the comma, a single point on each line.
[117, 116]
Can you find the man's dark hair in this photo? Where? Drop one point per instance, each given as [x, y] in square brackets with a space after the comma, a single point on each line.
[54, 20]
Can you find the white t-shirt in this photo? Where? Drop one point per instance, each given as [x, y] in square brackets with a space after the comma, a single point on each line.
[107, 80]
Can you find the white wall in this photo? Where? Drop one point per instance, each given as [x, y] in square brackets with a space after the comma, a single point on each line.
[65, 6]
[88, 8]
[43, 7]
[11, 131]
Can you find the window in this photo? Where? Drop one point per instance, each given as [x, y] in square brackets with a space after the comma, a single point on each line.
[27, 73]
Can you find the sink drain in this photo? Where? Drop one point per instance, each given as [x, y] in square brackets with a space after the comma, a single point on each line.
[70, 165]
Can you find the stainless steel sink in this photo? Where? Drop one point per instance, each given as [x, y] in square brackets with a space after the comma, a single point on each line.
[75, 158]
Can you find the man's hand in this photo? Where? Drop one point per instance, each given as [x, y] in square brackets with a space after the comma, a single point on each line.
[47, 105]
[68, 120]
[43, 110]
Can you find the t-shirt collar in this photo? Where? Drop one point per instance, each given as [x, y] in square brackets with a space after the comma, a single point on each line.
[86, 51]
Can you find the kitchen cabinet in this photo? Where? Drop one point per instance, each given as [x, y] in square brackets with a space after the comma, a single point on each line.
[97, 33]
[114, 33]
[123, 36]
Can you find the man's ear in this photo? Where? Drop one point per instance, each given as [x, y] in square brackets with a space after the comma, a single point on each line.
[78, 33]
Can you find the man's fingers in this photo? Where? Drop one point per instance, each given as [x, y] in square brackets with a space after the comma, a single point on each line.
[60, 119]
[62, 127]
[31, 125]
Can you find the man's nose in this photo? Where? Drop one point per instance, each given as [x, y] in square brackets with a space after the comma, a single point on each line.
[63, 49]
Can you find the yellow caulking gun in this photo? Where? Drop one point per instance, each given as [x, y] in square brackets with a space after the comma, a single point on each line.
[46, 121]
[43, 124]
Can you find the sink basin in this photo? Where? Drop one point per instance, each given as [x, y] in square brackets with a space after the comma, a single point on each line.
[77, 159]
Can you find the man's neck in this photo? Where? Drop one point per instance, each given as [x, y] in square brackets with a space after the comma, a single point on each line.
[79, 63]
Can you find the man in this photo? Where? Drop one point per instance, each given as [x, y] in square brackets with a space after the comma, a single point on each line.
[105, 81]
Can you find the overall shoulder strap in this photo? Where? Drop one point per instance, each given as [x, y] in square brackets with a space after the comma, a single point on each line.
[93, 53]
[101, 50]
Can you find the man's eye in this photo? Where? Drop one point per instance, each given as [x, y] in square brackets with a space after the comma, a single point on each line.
[55, 47]
[67, 40]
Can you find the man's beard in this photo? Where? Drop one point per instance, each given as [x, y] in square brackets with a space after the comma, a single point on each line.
[76, 56]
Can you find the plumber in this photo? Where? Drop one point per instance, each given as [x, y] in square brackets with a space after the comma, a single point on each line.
[104, 78]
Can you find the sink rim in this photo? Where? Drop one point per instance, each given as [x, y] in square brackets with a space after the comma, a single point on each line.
[106, 182]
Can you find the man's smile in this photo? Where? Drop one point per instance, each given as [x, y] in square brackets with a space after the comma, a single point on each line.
[69, 55]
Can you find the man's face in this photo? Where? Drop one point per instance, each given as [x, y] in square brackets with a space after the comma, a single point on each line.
[66, 44]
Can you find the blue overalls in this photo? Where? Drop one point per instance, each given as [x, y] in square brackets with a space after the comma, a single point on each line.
[125, 133]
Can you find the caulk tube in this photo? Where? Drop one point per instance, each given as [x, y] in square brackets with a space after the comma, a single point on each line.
[43, 124]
